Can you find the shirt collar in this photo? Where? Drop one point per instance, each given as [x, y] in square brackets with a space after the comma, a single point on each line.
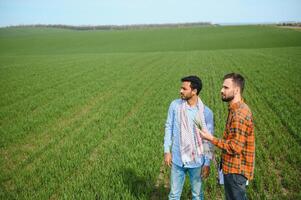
[236, 105]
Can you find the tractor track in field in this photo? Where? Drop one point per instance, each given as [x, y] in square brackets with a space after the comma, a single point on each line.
[162, 185]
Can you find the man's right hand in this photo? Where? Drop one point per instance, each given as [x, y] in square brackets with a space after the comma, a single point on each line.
[206, 135]
[167, 159]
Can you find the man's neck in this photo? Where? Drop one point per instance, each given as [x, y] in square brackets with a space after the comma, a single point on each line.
[192, 101]
[236, 99]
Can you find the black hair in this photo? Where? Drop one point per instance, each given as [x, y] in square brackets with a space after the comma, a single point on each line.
[237, 79]
[195, 83]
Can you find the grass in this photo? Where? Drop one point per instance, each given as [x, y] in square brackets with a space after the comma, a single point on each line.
[82, 113]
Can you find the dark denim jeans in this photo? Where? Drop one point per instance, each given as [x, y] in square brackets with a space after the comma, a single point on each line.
[235, 186]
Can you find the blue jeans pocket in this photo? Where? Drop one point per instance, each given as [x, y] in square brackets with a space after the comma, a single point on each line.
[240, 180]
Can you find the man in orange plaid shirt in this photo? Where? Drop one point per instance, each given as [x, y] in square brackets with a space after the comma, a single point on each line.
[238, 142]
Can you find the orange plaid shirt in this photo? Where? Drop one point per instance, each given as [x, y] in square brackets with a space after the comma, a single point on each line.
[238, 142]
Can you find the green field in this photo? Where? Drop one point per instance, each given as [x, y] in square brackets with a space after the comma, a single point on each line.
[82, 113]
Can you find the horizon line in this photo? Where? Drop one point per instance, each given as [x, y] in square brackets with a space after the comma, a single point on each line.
[151, 24]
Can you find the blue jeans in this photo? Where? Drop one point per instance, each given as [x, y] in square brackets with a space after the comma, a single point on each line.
[235, 187]
[177, 180]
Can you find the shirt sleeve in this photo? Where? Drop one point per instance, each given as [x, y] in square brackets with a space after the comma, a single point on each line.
[210, 126]
[168, 129]
[236, 139]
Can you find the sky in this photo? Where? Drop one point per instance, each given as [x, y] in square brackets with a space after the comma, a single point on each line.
[125, 12]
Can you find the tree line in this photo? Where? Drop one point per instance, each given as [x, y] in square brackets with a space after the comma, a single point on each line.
[117, 27]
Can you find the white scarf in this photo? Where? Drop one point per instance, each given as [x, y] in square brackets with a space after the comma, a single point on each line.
[191, 144]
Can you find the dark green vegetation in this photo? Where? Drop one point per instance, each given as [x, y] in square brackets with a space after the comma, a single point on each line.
[82, 113]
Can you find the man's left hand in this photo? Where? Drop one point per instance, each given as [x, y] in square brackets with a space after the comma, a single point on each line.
[205, 172]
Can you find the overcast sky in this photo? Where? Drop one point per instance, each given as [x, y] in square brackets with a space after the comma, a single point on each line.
[117, 12]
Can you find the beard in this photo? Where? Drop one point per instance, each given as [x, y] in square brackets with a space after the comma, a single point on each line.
[227, 98]
[183, 97]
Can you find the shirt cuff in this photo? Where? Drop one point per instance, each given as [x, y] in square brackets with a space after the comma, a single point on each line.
[214, 140]
[166, 149]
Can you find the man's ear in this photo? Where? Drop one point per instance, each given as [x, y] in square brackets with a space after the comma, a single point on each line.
[195, 91]
[237, 90]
